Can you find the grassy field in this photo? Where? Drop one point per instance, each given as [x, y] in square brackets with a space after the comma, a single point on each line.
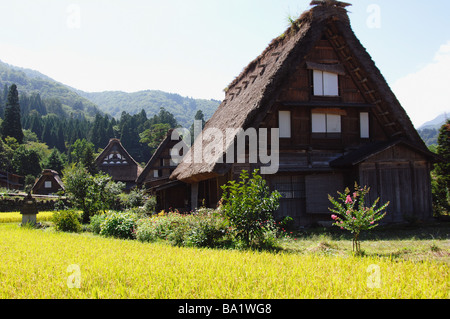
[45, 264]
[17, 217]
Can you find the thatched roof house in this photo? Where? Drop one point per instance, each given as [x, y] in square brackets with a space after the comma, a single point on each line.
[319, 85]
[155, 177]
[118, 163]
[48, 183]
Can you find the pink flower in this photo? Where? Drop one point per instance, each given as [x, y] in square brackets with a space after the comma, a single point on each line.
[334, 217]
[348, 200]
[355, 194]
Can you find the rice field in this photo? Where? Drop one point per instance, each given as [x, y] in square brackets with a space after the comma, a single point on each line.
[38, 264]
[17, 217]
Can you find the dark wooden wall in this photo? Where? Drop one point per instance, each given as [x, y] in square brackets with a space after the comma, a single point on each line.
[401, 176]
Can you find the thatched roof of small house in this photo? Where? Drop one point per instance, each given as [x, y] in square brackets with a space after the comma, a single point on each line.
[124, 169]
[254, 92]
[166, 142]
[46, 173]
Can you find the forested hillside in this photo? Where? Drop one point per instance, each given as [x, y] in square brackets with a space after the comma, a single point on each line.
[47, 125]
[183, 108]
[33, 136]
[69, 102]
[60, 99]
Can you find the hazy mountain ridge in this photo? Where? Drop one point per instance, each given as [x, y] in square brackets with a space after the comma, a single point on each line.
[183, 108]
[430, 130]
[31, 81]
[110, 102]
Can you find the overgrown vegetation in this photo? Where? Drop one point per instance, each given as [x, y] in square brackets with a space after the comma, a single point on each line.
[249, 207]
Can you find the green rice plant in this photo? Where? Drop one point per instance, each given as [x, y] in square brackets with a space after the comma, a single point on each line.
[17, 217]
[85, 266]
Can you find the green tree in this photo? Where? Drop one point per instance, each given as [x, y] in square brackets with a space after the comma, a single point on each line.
[55, 161]
[155, 135]
[77, 182]
[249, 206]
[104, 192]
[26, 162]
[199, 116]
[90, 194]
[6, 153]
[441, 173]
[12, 126]
[77, 151]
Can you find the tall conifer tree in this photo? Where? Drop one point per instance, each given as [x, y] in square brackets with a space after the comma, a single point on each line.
[11, 125]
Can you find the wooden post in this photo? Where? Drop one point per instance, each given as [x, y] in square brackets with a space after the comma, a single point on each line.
[194, 196]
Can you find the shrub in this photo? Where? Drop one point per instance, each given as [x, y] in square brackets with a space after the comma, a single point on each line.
[208, 229]
[96, 222]
[67, 221]
[203, 228]
[249, 206]
[119, 225]
[353, 215]
[171, 227]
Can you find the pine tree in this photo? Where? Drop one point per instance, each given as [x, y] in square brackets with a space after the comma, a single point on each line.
[55, 161]
[12, 126]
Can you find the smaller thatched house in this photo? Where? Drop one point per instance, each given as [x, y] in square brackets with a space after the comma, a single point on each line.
[118, 163]
[48, 183]
[155, 177]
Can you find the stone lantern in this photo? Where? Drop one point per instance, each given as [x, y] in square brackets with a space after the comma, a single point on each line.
[29, 211]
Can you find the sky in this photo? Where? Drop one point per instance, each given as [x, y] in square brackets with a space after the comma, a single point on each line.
[197, 47]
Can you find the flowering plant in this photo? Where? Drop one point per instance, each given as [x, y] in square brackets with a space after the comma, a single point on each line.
[352, 214]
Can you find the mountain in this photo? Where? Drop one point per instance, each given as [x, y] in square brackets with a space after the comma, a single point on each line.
[77, 103]
[30, 81]
[183, 108]
[430, 130]
[437, 122]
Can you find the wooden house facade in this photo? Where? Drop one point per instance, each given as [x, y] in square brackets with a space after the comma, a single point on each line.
[155, 177]
[118, 163]
[339, 123]
[11, 181]
[49, 183]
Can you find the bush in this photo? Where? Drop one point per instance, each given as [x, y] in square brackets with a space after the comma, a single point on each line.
[208, 229]
[67, 221]
[169, 227]
[119, 225]
[249, 207]
[96, 222]
[204, 228]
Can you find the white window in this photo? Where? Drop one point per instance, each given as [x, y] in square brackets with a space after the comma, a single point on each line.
[364, 124]
[48, 184]
[326, 123]
[319, 123]
[155, 174]
[285, 124]
[325, 83]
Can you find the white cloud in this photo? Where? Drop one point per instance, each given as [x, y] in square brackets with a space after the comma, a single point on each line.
[425, 94]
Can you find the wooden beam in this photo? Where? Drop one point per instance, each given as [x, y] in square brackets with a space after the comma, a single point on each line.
[194, 196]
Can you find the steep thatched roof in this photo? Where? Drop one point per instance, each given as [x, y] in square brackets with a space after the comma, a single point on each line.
[119, 172]
[254, 92]
[167, 142]
[46, 175]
